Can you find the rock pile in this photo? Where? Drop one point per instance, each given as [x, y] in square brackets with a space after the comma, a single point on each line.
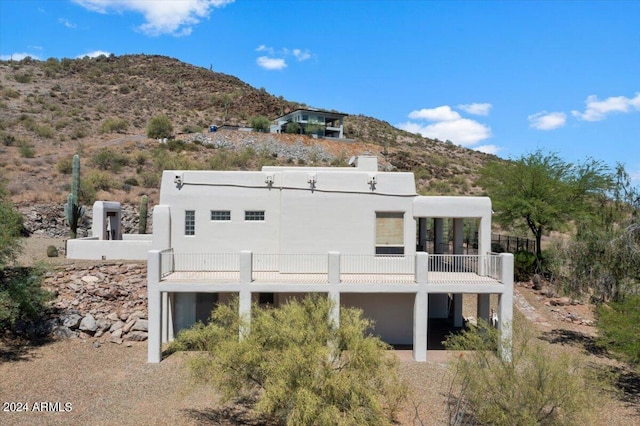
[297, 151]
[49, 220]
[106, 302]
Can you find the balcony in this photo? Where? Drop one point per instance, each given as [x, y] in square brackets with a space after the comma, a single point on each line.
[330, 268]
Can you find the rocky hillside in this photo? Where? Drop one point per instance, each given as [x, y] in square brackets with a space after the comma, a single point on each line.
[100, 108]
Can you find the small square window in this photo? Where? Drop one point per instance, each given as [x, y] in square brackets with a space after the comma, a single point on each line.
[190, 222]
[220, 215]
[254, 215]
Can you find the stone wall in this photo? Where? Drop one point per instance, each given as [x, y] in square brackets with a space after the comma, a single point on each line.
[49, 220]
[102, 302]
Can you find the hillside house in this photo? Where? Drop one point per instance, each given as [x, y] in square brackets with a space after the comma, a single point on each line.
[353, 233]
[329, 124]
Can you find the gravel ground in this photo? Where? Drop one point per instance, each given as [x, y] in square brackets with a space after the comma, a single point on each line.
[113, 384]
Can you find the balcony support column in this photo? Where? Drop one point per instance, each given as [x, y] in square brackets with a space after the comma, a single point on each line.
[458, 236]
[420, 322]
[505, 313]
[244, 302]
[154, 301]
[438, 235]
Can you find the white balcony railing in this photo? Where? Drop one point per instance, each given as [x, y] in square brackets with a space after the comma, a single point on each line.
[320, 268]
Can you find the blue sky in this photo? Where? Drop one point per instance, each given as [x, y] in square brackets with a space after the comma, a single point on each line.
[506, 77]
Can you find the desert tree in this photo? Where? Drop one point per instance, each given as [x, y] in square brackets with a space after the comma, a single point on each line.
[543, 192]
[160, 127]
[300, 367]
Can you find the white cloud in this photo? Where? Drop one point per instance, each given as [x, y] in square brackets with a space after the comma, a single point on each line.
[544, 120]
[271, 63]
[67, 23]
[476, 109]
[488, 149]
[18, 56]
[301, 55]
[441, 113]
[263, 48]
[635, 176]
[93, 54]
[176, 17]
[598, 110]
[446, 125]
[463, 131]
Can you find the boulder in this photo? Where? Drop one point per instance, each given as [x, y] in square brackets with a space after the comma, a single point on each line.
[137, 336]
[141, 325]
[88, 323]
[71, 321]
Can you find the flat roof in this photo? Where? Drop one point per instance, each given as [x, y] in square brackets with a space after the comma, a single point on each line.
[321, 111]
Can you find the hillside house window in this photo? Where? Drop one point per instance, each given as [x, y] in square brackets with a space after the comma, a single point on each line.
[389, 233]
[190, 222]
[220, 215]
[254, 215]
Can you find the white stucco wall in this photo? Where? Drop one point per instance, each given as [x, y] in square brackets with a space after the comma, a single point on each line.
[93, 249]
[392, 314]
[338, 214]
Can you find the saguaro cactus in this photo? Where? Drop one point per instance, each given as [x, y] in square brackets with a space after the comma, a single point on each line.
[142, 224]
[72, 209]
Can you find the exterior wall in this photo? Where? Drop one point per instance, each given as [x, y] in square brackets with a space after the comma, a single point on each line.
[94, 249]
[392, 314]
[337, 214]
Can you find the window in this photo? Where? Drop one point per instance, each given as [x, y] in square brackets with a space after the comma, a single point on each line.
[389, 233]
[219, 215]
[254, 215]
[190, 222]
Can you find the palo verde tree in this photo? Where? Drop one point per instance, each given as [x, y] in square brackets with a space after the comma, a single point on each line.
[542, 192]
[10, 227]
[160, 127]
[260, 123]
[302, 369]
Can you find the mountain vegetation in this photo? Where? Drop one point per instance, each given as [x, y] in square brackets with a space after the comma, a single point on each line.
[53, 109]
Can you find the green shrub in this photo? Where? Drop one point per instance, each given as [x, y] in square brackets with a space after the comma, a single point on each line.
[52, 251]
[192, 129]
[65, 165]
[292, 128]
[101, 181]
[524, 265]
[22, 299]
[10, 227]
[9, 93]
[160, 127]
[23, 78]
[150, 179]
[618, 325]
[44, 131]
[131, 181]
[537, 387]
[260, 123]
[107, 159]
[7, 139]
[111, 125]
[26, 150]
[301, 368]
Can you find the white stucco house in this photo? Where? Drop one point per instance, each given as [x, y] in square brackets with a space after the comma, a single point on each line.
[353, 233]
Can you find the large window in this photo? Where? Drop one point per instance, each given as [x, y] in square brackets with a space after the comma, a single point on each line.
[220, 215]
[390, 233]
[190, 222]
[254, 215]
